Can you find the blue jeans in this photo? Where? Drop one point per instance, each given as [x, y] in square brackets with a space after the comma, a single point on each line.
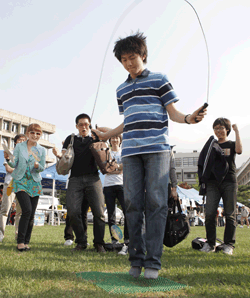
[228, 192]
[145, 180]
[88, 189]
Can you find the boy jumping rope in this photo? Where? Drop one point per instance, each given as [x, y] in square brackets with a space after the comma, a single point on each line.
[146, 99]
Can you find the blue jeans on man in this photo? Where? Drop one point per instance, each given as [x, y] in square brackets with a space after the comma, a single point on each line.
[86, 188]
[145, 179]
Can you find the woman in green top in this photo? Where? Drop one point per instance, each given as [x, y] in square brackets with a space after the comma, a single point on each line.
[29, 161]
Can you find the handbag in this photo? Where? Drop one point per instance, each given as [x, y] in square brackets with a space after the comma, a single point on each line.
[101, 152]
[177, 226]
[64, 164]
[199, 242]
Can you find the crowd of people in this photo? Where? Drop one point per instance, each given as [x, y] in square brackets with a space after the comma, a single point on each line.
[147, 101]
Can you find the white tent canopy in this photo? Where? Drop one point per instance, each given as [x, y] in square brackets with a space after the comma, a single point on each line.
[190, 196]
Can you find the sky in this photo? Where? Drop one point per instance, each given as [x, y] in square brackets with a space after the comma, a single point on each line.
[54, 54]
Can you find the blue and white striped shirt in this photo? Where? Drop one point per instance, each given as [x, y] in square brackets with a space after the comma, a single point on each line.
[143, 102]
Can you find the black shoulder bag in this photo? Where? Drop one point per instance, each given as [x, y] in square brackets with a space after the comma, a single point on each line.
[177, 226]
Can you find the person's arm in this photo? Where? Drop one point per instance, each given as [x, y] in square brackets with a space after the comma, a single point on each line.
[16, 157]
[8, 168]
[179, 117]
[238, 144]
[105, 133]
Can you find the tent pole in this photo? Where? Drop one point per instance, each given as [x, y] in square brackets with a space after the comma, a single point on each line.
[53, 200]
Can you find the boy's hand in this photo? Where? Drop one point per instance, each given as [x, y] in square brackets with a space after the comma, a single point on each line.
[197, 116]
[36, 164]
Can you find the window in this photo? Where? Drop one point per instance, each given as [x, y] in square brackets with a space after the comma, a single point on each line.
[12, 144]
[178, 176]
[45, 136]
[190, 161]
[6, 125]
[189, 175]
[23, 129]
[14, 127]
[178, 162]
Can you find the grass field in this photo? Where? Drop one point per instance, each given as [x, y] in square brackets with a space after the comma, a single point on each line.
[48, 270]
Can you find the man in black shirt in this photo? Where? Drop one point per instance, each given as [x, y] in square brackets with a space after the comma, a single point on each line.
[84, 186]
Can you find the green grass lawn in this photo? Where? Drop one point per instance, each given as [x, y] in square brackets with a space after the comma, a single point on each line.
[48, 270]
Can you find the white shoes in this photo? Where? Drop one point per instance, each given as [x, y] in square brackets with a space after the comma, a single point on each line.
[135, 271]
[151, 273]
[1, 236]
[124, 250]
[227, 249]
[207, 248]
[241, 226]
[68, 242]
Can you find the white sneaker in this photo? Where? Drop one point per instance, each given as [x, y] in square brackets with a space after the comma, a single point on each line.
[124, 250]
[68, 242]
[151, 273]
[241, 226]
[207, 248]
[1, 236]
[227, 249]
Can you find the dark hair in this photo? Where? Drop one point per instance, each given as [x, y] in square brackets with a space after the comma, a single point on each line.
[34, 127]
[82, 116]
[223, 122]
[131, 44]
[119, 136]
[17, 137]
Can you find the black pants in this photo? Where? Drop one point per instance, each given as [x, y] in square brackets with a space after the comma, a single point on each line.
[111, 193]
[87, 188]
[228, 192]
[28, 205]
[68, 231]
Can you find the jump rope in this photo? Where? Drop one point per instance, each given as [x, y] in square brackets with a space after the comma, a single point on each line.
[122, 17]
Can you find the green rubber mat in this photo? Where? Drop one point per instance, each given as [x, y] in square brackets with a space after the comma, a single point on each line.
[123, 283]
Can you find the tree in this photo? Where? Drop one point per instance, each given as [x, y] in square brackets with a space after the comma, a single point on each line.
[243, 195]
[184, 185]
[196, 185]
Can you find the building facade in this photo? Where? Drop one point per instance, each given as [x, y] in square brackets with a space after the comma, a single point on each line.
[243, 174]
[186, 166]
[12, 124]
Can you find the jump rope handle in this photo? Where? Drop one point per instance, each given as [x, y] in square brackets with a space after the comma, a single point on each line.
[201, 110]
